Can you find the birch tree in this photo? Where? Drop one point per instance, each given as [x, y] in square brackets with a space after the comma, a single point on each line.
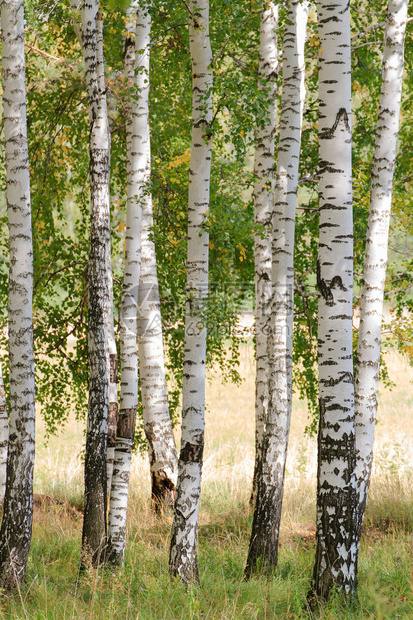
[157, 421]
[136, 67]
[263, 206]
[113, 353]
[375, 261]
[4, 437]
[336, 551]
[94, 524]
[140, 309]
[183, 551]
[263, 549]
[16, 527]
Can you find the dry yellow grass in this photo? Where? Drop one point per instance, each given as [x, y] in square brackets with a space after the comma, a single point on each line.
[143, 589]
[229, 450]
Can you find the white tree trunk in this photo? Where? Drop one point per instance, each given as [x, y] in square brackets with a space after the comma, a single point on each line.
[183, 552]
[263, 206]
[157, 421]
[336, 554]
[375, 261]
[94, 524]
[138, 26]
[263, 550]
[16, 527]
[113, 354]
[4, 437]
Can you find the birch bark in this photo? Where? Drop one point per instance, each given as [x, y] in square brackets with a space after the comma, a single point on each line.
[336, 552]
[157, 422]
[263, 549]
[263, 206]
[4, 437]
[16, 527]
[183, 551]
[375, 261]
[136, 67]
[113, 353]
[94, 523]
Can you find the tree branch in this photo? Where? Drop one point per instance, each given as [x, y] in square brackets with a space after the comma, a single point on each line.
[46, 55]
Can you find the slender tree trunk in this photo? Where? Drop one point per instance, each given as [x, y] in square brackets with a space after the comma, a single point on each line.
[4, 437]
[336, 553]
[16, 527]
[157, 421]
[263, 550]
[375, 261]
[138, 25]
[94, 524]
[113, 353]
[183, 552]
[263, 204]
[113, 402]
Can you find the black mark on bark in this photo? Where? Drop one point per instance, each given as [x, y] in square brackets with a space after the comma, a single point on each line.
[328, 134]
[325, 289]
[192, 453]
[128, 42]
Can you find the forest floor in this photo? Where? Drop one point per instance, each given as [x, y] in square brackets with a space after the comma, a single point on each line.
[143, 591]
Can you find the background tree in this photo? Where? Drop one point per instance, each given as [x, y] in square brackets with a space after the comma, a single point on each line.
[375, 261]
[155, 408]
[129, 301]
[263, 549]
[263, 209]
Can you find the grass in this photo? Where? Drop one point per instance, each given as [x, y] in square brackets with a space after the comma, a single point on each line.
[143, 590]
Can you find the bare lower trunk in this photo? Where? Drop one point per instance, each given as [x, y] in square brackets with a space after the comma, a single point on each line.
[94, 523]
[263, 204]
[157, 422]
[263, 549]
[375, 261]
[336, 553]
[4, 437]
[16, 527]
[183, 551]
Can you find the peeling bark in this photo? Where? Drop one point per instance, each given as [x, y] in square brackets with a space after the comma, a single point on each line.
[16, 527]
[263, 549]
[183, 551]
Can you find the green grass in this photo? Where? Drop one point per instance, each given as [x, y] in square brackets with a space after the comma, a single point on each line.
[54, 589]
[143, 591]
